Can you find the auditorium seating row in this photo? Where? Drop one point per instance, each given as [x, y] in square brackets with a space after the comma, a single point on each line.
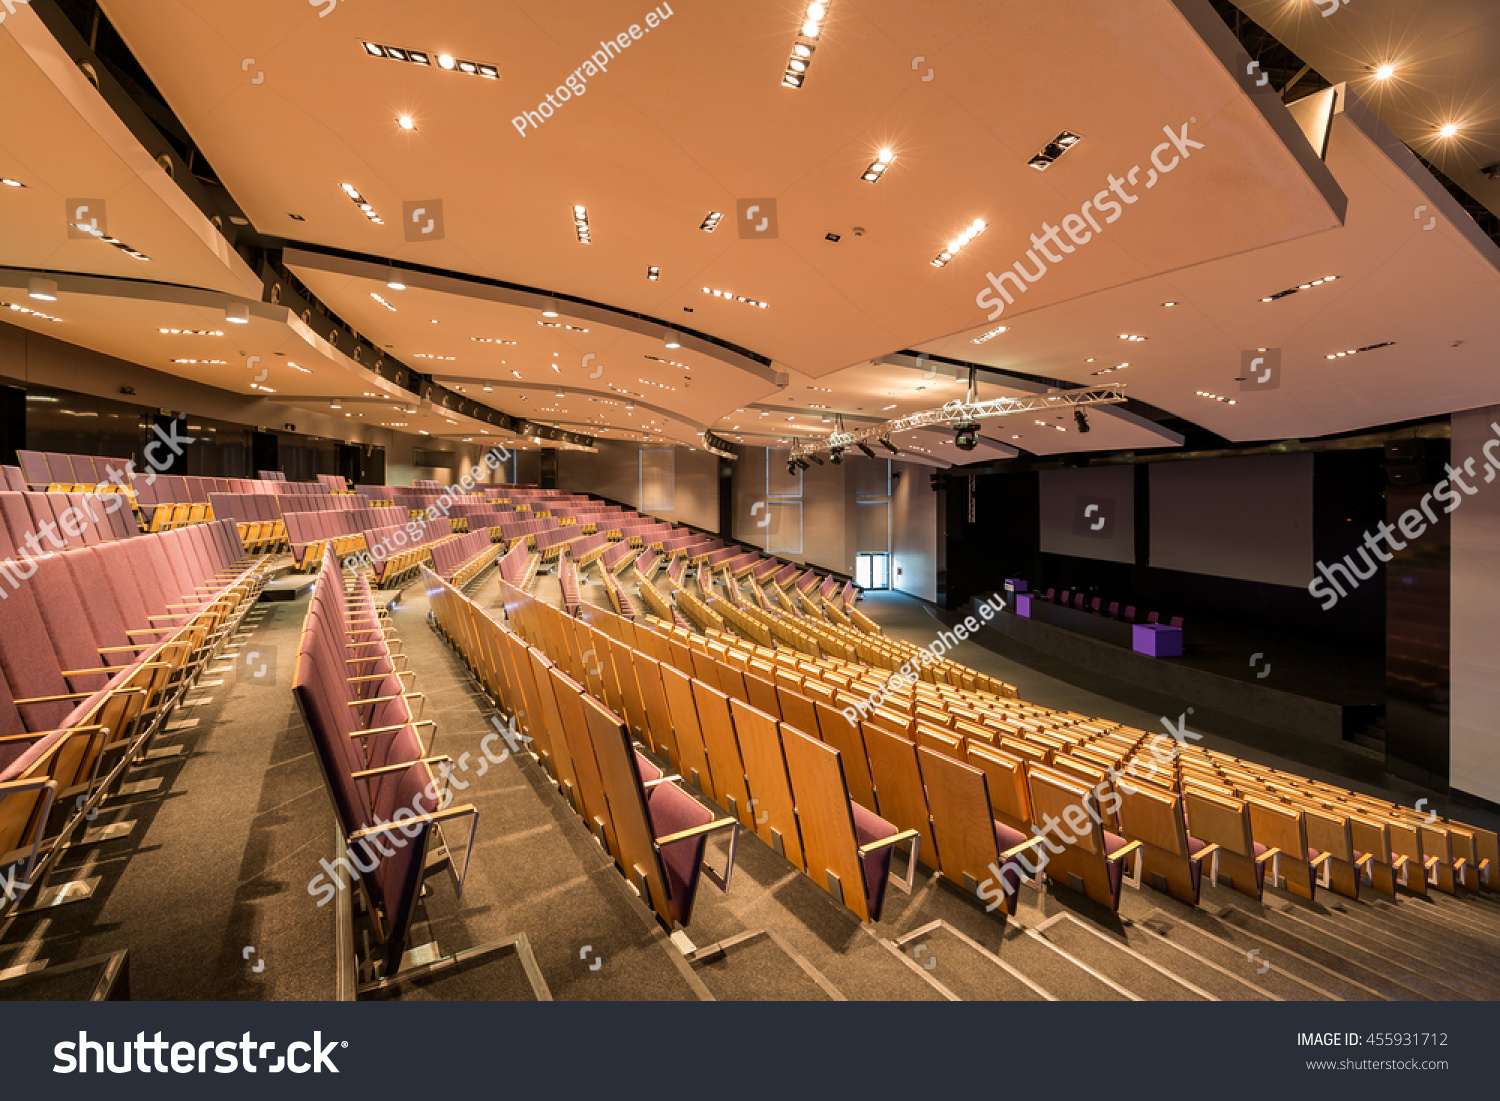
[619, 600]
[342, 529]
[617, 556]
[74, 519]
[1096, 605]
[464, 557]
[519, 565]
[394, 808]
[97, 645]
[41, 469]
[656, 833]
[397, 550]
[775, 779]
[1193, 809]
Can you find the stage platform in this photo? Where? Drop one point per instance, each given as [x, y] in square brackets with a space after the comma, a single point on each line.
[1308, 687]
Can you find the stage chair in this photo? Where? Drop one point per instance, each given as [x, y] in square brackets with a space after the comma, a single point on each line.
[1129, 613]
[1175, 621]
[1151, 617]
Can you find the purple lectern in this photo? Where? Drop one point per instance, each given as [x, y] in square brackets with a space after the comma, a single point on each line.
[1022, 604]
[1156, 640]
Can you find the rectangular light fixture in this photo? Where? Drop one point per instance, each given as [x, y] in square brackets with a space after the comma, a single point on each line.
[359, 200]
[1357, 351]
[976, 227]
[429, 59]
[190, 332]
[653, 273]
[383, 302]
[560, 325]
[1299, 288]
[1216, 397]
[735, 297]
[805, 44]
[490, 340]
[1053, 150]
[711, 221]
[984, 338]
[581, 224]
[878, 166]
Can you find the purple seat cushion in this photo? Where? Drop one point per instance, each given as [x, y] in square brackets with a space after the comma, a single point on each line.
[1112, 845]
[673, 810]
[1005, 840]
[869, 828]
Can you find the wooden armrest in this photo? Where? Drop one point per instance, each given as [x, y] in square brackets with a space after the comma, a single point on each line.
[373, 699]
[373, 730]
[124, 649]
[1429, 863]
[1363, 860]
[383, 769]
[1319, 859]
[382, 676]
[648, 784]
[1010, 854]
[1263, 857]
[887, 842]
[1205, 852]
[1124, 851]
[695, 831]
[451, 812]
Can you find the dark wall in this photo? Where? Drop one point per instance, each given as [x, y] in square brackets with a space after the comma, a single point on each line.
[1004, 539]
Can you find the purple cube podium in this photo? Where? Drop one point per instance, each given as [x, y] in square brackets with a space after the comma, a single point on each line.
[1022, 604]
[1015, 584]
[1156, 640]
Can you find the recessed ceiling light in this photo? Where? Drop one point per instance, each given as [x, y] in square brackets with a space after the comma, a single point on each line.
[1169, 305]
[711, 221]
[11, 183]
[406, 122]
[446, 61]
[1449, 129]
[653, 273]
[1133, 338]
[1053, 150]
[1385, 71]
[983, 338]
[976, 227]
[878, 166]
[382, 301]
[581, 224]
[1298, 288]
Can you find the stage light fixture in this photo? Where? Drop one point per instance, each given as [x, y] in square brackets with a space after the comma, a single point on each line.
[837, 455]
[966, 437]
[1081, 419]
[892, 448]
[869, 452]
[815, 459]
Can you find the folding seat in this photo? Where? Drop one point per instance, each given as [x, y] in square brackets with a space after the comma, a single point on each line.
[976, 846]
[1172, 861]
[1225, 821]
[13, 479]
[34, 469]
[662, 831]
[843, 843]
[898, 787]
[1175, 621]
[1151, 617]
[1093, 863]
[59, 469]
[1129, 616]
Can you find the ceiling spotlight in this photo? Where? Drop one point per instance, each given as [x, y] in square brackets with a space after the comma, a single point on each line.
[1385, 71]
[671, 340]
[966, 437]
[868, 451]
[446, 61]
[1053, 150]
[1449, 130]
[892, 448]
[711, 221]
[237, 314]
[8, 182]
[551, 310]
[815, 459]
[653, 273]
[406, 122]
[976, 227]
[1081, 419]
[802, 464]
[878, 166]
[792, 467]
[837, 455]
[43, 290]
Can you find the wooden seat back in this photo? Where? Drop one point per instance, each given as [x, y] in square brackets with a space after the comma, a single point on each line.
[898, 788]
[830, 850]
[772, 815]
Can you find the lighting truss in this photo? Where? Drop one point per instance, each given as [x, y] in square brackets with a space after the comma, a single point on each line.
[964, 412]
